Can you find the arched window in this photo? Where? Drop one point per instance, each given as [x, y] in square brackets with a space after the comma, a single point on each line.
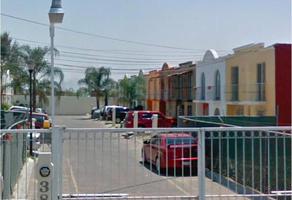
[203, 86]
[217, 86]
[217, 111]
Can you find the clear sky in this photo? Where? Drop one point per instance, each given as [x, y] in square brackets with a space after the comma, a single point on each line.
[197, 25]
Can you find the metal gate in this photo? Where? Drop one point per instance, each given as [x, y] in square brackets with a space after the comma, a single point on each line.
[217, 163]
[228, 163]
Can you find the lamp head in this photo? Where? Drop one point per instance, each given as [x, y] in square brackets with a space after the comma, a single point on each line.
[56, 12]
[30, 65]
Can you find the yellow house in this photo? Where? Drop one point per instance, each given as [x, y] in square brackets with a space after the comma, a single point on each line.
[250, 81]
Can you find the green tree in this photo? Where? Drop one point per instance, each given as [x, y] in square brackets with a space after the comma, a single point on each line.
[10, 60]
[97, 82]
[132, 90]
[35, 57]
[69, 92]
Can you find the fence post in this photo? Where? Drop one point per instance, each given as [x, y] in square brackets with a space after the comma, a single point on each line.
[135, 119]
[57, 155]
[61, 131]
[201, 164]
[44, 171]
[114, 117]
[6, 169]
[154, 121]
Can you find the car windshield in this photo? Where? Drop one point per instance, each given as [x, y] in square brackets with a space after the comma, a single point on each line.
[180, 140]
[122, 109]
[39, 118]
[147, 115]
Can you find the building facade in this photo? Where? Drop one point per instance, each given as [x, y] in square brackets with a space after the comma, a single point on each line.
[250, 81]
[181, 90]
[157, 89]
[283, 83]
[210, 85]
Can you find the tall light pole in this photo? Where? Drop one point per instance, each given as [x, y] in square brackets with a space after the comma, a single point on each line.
[30, 70]
[56, 15]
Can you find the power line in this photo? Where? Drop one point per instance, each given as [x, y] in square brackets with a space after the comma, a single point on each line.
[97, 35]
[132, 58]
[115, 51]
[111, 68]
[114, 60]
[104, 63]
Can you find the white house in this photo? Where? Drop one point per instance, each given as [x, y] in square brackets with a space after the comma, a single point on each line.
[210, 85]
[7, 93]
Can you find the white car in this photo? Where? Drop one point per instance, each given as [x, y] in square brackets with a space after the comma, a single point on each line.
[19, 108]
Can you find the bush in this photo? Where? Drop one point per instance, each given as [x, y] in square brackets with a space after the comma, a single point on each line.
[5, 106]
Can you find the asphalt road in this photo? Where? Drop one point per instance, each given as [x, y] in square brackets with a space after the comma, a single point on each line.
[97, 163]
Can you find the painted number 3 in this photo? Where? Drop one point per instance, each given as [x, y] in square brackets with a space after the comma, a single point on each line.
[44, 187]
[44, 197]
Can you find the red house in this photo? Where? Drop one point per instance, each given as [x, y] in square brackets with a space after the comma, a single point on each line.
[283, 83]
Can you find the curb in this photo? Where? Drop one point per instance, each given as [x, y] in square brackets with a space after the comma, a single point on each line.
[20, 190]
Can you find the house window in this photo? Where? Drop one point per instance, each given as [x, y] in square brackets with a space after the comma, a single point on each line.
[189, 110]
[234, 83]
[217, 111]
[217, 85]
[261, 82]
[203, 85]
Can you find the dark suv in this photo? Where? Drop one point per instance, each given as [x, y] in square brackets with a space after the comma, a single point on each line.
[120, 113]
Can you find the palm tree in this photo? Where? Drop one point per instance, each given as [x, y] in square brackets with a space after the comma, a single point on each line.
[97, 82]
[10, 60]
[41, 73]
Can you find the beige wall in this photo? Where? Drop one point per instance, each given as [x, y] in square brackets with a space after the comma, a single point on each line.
[247, 63]
[68, 105]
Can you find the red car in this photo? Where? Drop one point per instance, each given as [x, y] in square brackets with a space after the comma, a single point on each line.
[40, 118]
[171, 150]
[145, 119]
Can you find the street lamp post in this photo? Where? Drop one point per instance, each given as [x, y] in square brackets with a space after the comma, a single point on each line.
[56, 15]
[30, 70]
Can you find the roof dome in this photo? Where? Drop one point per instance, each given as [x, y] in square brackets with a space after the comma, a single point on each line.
[210, 55]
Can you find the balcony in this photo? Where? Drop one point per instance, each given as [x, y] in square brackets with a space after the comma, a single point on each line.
[247, 93]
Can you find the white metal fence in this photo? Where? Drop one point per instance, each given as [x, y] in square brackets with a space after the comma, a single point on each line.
[245, 162]
[17, 166]
[218, 163]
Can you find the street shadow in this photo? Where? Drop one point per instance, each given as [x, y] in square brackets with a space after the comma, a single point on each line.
[186, 172]
[83, 118]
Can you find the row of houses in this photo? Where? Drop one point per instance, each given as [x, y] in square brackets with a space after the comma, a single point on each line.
[253, 80]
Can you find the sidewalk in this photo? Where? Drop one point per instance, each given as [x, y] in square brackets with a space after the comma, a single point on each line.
[26, 181]
[25, 188]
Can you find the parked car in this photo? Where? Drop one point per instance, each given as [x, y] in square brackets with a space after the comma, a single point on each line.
[8, 118]
[103, 111]
[120, 113]
[171, 150]
[92, 111]
[108, 111]
[145, 119]
[40, 110]
[19, 108]
[95, 114]
[40, 118]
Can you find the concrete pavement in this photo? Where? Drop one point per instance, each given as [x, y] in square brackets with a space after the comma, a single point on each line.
[105, 163]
